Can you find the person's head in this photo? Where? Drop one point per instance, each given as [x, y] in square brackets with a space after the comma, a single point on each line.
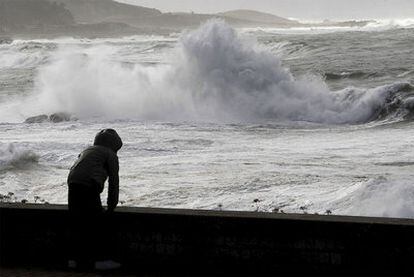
[108, 138]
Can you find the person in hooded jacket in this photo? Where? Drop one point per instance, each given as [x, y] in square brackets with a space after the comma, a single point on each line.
[88, 175]
[86, 182]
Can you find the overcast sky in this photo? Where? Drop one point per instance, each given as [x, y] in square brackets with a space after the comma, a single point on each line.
[301, 9]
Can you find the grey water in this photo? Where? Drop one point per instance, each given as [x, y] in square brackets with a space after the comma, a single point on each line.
[216, 118]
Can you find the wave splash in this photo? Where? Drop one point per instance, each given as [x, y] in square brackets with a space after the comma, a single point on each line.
[380, 197]
[12, 156]
[215, 76]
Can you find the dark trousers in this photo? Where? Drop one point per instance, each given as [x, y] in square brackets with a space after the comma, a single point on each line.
[87, 225]
[84, 199]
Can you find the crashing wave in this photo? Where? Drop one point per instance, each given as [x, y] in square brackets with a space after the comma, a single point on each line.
[215, 76]
[399, 103]
[12, 156]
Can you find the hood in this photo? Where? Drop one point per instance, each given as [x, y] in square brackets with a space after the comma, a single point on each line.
[108, 138]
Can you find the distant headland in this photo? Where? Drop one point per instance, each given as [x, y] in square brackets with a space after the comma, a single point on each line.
[108, 18]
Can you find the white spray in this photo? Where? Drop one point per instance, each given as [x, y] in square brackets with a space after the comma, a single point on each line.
[215, 76]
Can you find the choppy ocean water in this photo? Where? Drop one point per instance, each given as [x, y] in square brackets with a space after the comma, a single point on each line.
[301, 120]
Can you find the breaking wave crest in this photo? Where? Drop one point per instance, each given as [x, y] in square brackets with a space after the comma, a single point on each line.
[23, 54]
[392, 23]
[13, 156]
[215, 75]
[380, 197]
[350, 75]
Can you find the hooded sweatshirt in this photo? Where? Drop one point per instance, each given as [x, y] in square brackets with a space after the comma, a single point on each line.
[98, 163]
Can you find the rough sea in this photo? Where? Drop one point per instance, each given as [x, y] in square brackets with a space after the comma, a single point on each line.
[310, 120]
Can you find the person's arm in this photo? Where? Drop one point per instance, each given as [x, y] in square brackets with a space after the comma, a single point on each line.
[113, 182]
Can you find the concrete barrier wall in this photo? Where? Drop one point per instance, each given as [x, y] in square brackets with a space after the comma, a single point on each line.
[212, 242]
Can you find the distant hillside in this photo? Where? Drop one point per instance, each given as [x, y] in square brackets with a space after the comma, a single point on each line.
[258, 17]
[52, 18]
[28, 14]
[96, 11]
[100, 18]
